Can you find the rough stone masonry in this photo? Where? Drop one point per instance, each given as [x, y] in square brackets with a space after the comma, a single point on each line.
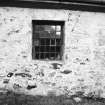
[82, 68]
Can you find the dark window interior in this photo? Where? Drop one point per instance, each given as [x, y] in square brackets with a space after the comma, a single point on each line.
[47, 40]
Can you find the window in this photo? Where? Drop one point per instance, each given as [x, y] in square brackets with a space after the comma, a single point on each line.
[47, 40]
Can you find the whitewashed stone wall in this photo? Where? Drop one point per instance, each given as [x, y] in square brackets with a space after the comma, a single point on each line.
[82, 68]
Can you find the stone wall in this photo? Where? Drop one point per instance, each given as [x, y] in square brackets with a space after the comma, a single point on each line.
[82, 68]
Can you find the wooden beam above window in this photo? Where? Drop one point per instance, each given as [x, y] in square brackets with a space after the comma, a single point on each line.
[56, 4]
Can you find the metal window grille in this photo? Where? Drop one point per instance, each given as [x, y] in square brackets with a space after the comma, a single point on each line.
[47, 40]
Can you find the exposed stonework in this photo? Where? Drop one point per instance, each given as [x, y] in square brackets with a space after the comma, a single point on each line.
[83, 65]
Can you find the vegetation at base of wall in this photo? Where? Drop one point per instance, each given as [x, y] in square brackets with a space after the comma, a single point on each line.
[11, 98]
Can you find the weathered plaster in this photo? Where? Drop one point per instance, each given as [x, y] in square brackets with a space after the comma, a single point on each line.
[83, 65]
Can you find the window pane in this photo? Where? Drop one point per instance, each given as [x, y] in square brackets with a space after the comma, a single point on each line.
[58, 56]
[42, 55]
[47, 42]
[49, 28]
[52, 49]
[47, 49]
[37, 49]
[53, 42]
[42, 42]
[58, 28]
[58, 41]
[58, 48]
[37, 56]
[52, 56]
[39, 28]
[42, 48]
[36, 43]
[36, 35]
[58, 34]
[46, 56]
[53, 27]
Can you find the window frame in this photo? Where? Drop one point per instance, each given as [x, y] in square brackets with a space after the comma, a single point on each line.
[49, 22]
